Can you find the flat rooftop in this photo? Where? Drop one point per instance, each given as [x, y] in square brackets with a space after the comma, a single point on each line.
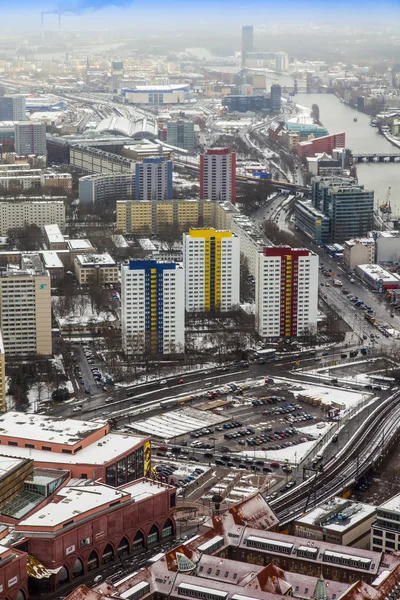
[8, 463]
[392, 504]
[54, 234]
[338, 515]
[79, 244]
[93, 260]
[375, 272]
[30, 426]
[51, 260]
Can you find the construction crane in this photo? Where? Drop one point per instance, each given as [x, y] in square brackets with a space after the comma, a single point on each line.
[57, 11]
[385, 208]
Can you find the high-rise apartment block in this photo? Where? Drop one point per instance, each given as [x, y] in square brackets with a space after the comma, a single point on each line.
[247, 42]
[180, 133]
[12, 108]
[211, 261]
[286, 292]
[152, 312]
[25, 311]
[3, 403]
[30, 138]
[218, 175]
[153, 179]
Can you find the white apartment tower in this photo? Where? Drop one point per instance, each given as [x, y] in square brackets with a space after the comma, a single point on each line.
[25, 312]
[30, 138]
[218, 175]
[152, 307]
[211, 261]
[286, 292]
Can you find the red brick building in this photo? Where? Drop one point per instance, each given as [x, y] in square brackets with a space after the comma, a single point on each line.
[13, 574]
[88, 524]
[327, 144]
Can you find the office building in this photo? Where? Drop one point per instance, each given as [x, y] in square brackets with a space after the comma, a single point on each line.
[25, 311]
[338, 521]
[152, 308]
[137, 216]
[153, 179]
[247, 42]
[180, 134]
[155, 94]
[12, 108]
[218, 175]
[385, 534]
[275, 96]
[97, 268]
[347, 205]
[256, 103]
[281, 62]
[211, 261]
[15, 212]
[106, 190]
[312, 221]
[286, 292]
[387, 246]
[30, 138]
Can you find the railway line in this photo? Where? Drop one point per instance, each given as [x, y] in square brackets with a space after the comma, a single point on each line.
[348, 466]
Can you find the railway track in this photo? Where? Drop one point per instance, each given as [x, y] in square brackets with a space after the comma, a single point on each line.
[351, 463]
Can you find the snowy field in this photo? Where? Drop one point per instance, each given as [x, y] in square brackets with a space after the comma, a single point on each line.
[360, 379]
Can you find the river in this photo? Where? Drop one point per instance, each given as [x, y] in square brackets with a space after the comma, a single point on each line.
[360, 137]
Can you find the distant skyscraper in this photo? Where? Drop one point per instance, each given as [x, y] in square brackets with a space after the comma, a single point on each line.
[276, 93]
[281, 62]
[30, 138]
[12, 108]
[153, 179]
[247, 42]
[218, 175]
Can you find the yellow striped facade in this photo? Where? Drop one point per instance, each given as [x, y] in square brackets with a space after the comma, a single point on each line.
[212, 265]
[153, 310]
[288, 295]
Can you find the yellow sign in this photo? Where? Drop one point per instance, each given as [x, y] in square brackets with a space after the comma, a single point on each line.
[318, 223]
[147, 458]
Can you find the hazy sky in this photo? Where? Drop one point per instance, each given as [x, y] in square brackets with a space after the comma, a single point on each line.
[175, 13]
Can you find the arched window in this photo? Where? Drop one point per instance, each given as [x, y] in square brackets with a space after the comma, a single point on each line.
[108, 554]
[123, 548]
[77, 569]
[138, 542]
[20, 595]
[153, 536]
[93, 561]
[168, 529]
[63, 576]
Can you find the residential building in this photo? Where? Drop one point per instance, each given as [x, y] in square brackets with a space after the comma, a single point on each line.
[180, 133]
[25, 311]
[12, 108]
[54, 238]
[211, 260]
[360, 251]
[385, 534]
[250, 240]
[338, 521]
[323, 164]
[289, 139]
[85, 448]
[19, 212]
[247, 41]
[30, 138]
[33, 179]
[139, 216]
[281, 62]
[218, 175]
[3, 390]
[152, 307]
[94, 160]
[106, 190]
[286, 292]
[153, 179]
[98, 268]
[155, 94]
[321, 144]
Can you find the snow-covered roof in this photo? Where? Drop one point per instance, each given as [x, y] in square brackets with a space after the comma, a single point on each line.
[393, 504]
[8, 463]
[53, 234]
[79, 244]
[95, 260]
[135, 128]
[51, 260]
[338, 515]
[375, 272]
